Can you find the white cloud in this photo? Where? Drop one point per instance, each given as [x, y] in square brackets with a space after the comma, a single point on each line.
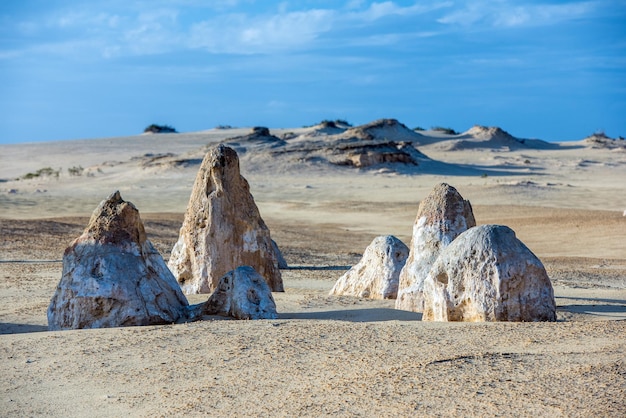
[239, 33]
[389, 8]
[507, 14]
[161, 26]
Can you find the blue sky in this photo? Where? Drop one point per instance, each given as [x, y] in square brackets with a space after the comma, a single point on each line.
[88, 69]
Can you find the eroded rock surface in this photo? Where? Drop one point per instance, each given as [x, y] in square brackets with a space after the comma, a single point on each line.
[487, 274]
[282, 263]
[113, 276]
[441, 217]
[377, 274]
[242, 294]
[223, 229]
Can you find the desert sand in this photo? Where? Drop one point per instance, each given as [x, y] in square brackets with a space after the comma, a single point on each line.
[324, 355]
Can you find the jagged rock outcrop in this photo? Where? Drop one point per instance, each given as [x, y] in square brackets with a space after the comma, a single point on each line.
[222, 229]
[113, 276]
[441, 217]
[363, 155]
[241, 294]
[377, 273]
[487, 274]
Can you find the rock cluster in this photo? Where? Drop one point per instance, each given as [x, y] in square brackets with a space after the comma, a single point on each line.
[487, 274]
[222, 229]
[441, 217]
[457, 271]
[241, 294]
[113, 276]
[377, 273]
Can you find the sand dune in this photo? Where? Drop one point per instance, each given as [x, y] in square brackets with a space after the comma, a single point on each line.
[325, 355]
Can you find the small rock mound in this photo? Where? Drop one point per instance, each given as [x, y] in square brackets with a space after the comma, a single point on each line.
[490, 133]
[325, 128]
[113, 276]
[487, 274]
[259, 137]
[441, 217]
[479, 137]
[223, 229]
[376, 275]
[241, 294]
[600, 140]
[387, 129]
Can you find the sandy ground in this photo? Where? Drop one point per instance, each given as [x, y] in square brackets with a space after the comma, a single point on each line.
[324, 355]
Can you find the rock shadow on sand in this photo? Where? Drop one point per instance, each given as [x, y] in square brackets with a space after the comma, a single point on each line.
[355, 315]
[613, 308]
[328, 268]
[12, 328]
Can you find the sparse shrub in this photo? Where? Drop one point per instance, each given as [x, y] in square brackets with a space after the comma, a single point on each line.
[331, 123]
[447, 131]
[75, 171]
[342, 122]
[419, 128]
[484, 175]
[159, 129]
[261, 130]
[42, 172]
[526, 161]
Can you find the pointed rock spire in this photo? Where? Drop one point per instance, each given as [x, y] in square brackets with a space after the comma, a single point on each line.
[113, 276]
[441, 217]
[223, 229]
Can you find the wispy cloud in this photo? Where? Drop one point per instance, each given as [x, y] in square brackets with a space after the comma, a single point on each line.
[241, 33]
[508, 14]
[233, 27]
[389, 8]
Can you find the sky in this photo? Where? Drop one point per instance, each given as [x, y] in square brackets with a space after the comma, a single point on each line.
[553, 70]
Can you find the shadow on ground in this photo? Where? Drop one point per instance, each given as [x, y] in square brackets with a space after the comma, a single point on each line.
[9, 328]
[356, 315]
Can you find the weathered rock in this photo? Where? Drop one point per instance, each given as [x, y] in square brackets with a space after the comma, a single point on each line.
[487, 274]
[441, 217]
[242, 294]
[377, 273]
[222, 229]
[113, 276]
[282, 263]
[363, 155]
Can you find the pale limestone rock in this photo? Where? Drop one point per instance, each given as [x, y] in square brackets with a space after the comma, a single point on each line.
[487, 274]
[113, 276]
[441, 217]
[222, 229]
[241, 294]
[377, 273]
